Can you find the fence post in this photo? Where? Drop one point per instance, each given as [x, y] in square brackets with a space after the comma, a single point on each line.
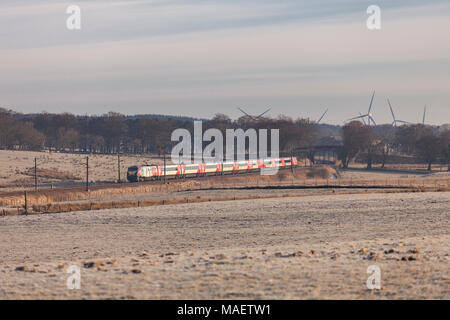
[292, 166]
[87, 173]
[26, 202]
[35, 173]
[164, 166]
[118, 167]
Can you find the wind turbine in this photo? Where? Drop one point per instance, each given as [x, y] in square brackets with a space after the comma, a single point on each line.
[323, 115]
[394, 123]
[369, 115]
[364, 121]
[254, 117]
[424, 114]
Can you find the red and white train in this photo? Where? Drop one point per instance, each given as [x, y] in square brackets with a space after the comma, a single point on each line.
[154, 172]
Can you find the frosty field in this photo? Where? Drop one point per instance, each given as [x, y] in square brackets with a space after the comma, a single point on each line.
[282, 248]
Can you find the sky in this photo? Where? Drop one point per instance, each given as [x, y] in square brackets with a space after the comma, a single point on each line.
[202, 57]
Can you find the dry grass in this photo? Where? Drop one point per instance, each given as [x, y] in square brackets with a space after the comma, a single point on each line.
[319, 172]
[50, 175]
[17, 167]
[45, 196]
[67, 199]
[123, 204]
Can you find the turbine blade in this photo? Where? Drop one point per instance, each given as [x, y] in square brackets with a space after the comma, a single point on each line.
[371, 101]
[323, 115]
[359, 117]
[392, 111]
[245, 113]
[263, 113]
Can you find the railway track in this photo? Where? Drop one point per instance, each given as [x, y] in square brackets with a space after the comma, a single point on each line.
[81, 186]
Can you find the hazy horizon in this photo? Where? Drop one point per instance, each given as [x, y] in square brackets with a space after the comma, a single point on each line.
[197, 58]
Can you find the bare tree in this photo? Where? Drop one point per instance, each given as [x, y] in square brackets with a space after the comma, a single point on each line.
[445, 147]
[428, 146]
[356, 138]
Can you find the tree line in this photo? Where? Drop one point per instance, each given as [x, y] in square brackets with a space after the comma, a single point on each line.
[116, 133]
[425, 143]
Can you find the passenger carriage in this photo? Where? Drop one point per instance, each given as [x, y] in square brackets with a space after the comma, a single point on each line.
[155, 172]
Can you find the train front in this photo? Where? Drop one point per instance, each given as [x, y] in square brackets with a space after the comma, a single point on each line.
[132, 174]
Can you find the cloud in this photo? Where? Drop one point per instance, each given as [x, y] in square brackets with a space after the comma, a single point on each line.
[201, 57]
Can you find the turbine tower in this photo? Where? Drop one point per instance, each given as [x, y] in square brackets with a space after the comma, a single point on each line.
[394, 123]
[424, 114]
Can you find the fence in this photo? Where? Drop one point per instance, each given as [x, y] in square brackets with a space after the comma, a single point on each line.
[286, 181]
[39, 170]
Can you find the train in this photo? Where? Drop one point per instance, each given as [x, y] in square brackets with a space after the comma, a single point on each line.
[156, 172]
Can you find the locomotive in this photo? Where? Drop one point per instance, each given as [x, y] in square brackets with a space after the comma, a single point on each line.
[155, 172]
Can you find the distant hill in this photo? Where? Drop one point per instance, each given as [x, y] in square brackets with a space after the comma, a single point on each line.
[163, 116]
[325, 130]
[19, 115]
